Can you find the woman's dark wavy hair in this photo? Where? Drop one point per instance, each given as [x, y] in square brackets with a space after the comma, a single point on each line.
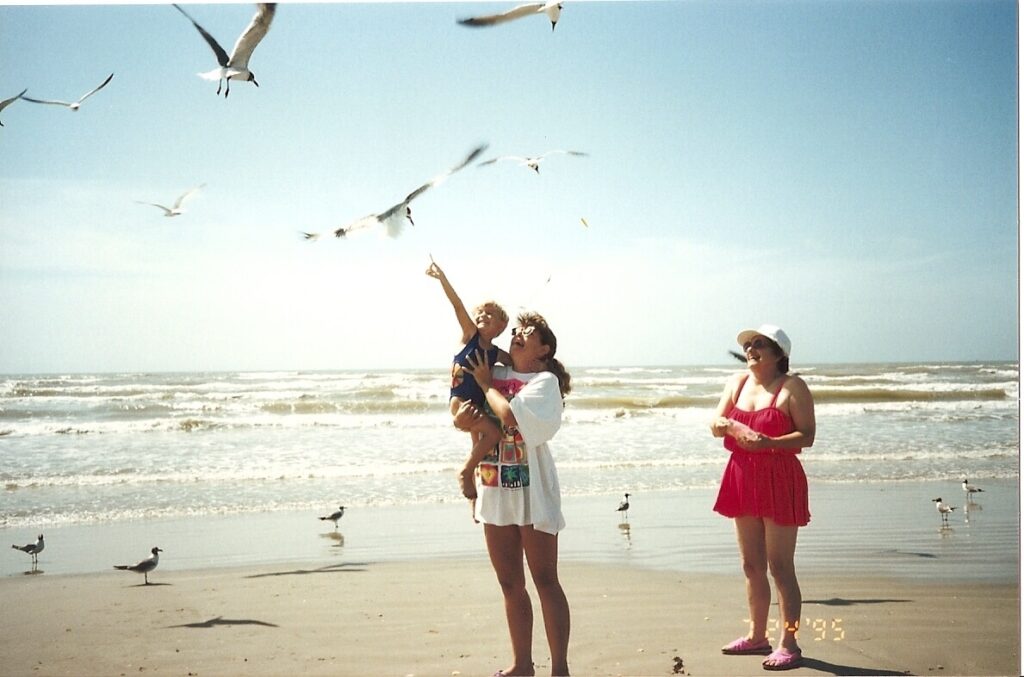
[547, 338]
[783, 358]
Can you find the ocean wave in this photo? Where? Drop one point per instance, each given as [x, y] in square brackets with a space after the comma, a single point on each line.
[616, 402]
[628, 370]
[235, 477]
[880, 394]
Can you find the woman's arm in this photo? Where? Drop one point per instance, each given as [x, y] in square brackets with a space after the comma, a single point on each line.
[720, 424]
[480, 368]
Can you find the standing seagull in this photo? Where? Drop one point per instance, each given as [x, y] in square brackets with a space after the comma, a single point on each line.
[971, 490]
[32, 548]
[394, 218]
[624, 507]
[552, 8]
[533, 162]
[143, 567]
[335, 516]
[236, 66]
[943, 509]
[177, 209]
[73, 105]
[7, 102]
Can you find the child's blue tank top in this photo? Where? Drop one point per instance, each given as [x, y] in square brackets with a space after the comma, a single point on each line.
[464, 385]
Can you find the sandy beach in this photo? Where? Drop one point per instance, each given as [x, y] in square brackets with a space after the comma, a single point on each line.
[886, 591]
[442, 617]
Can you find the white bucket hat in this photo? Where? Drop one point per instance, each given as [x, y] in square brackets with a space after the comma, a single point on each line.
[770, 331]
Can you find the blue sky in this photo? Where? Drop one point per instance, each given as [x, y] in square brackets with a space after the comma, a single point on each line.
[845, 169]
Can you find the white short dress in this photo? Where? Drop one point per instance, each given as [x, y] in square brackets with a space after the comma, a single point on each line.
[517, 482]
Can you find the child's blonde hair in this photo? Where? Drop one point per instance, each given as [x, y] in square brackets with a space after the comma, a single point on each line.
[496, 309]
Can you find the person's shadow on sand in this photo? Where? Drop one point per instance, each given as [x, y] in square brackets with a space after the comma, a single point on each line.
[329, 569]
[839, 601]
[834, 669]
[220, 620]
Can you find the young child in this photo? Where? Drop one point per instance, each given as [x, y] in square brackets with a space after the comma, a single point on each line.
[479, 330]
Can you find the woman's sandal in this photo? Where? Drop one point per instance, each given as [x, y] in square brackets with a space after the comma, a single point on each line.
[745, 646]
[783, 660]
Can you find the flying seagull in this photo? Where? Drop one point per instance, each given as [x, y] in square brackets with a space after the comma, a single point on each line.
[32, 548]
[394, 218]
[335, 516]
[177, 209]
[143, 567]
[943, 509]
[74, 105]
[533, 162]
[552, 8]
[309, 236]
[7, 102]
[624, 506]
[236, 66]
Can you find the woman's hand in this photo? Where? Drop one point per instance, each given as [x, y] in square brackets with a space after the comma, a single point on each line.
[480, 368]
[754, 442]
[720, 426]
[466, 416]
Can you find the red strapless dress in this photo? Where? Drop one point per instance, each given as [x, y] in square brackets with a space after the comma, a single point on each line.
[767, 482]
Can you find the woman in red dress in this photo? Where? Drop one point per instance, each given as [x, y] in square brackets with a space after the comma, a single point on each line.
[766, 417]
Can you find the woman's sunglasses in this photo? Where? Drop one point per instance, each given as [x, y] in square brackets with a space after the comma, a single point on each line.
[523, 331]
[758, 343]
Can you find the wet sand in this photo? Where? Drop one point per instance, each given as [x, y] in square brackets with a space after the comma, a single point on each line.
[401, 591]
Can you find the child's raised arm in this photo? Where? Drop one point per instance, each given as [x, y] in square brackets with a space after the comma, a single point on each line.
[465, 321]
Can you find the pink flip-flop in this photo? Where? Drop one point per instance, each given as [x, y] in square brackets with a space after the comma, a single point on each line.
[744, 646]
[781, 659]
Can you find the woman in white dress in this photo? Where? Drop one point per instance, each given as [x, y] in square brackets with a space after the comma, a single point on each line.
[519, 500]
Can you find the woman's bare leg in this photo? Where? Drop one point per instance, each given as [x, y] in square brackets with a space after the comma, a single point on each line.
[781, 547]
[542, 556]
[505, 547]
[750, 534]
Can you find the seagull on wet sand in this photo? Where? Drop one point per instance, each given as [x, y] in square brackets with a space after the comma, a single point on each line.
[236, 66]
[7, 102]
[335, 516]
[394, 218]
[177, 209]
[73, 105]
[533, 161]
[943, 509]
[624, 506]
[970, 490]
[32, 548]
[145, 566]
[552, 8]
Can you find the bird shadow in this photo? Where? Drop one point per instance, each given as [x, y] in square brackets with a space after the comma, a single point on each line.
[335, 536]
[835, 669]
[839, 601]
[220, 620]
[148, 585]
[925, 555]
[343, 568]
[34, 571]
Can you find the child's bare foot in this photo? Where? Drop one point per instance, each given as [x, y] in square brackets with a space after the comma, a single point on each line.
[467, 481]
